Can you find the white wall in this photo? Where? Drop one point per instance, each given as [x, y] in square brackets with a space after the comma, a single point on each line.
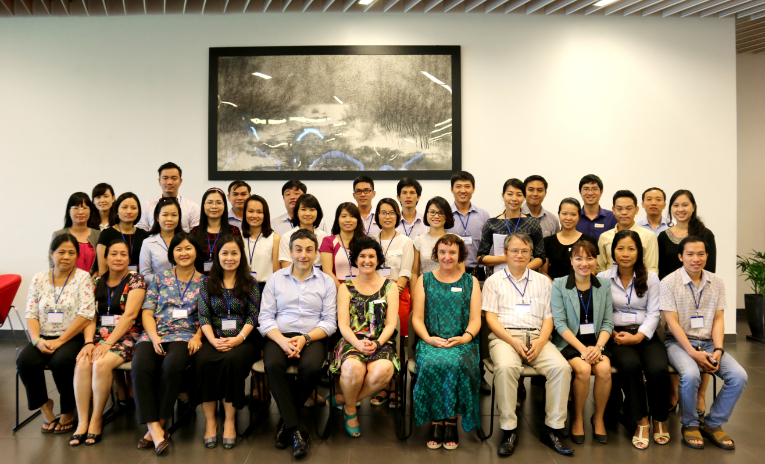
[639, 101]
[750, 77]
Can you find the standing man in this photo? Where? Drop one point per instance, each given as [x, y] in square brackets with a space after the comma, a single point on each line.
[594, 220]
[238, 192]
[469, 220]
[298, 310]
[408, 192]
[170, 180]
[693, 302]
[516, 302]
[536, 191]
[625, 210]
[654, 202]
[291, 191]
[363, 193]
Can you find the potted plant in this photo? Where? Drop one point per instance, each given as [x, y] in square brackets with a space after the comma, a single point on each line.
[753, 268]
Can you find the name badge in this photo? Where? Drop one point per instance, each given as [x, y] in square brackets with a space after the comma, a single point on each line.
[254, 275]
[457, 289]
[349, 277]
[180, 313]
[467, 239]
[208, 266]
[629, 317]
[318, 267]
[380, 301]
[599, 226]
[587, 329]
[523, 308]
[697, 322]
[133, 268]
[385, 271]
[228, 324]
[56, 318]
[395, 252]
[108, 321]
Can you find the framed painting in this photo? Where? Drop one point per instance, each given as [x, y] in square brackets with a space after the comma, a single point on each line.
[334, 112]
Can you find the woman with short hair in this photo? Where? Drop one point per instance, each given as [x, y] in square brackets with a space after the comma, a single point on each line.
[261, 242]
[77, 220]
[167, 223]
[126, 213]
[439, 217]
[103, 199]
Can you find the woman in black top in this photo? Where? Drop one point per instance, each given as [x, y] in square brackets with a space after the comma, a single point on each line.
[213, 225]
[126, 213]
[682, 208]
[558, 246]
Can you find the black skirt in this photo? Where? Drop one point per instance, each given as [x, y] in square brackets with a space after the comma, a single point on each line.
[569, 352]
[222, 375]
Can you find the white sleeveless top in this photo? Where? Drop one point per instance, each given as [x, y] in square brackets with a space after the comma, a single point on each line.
[261, 261]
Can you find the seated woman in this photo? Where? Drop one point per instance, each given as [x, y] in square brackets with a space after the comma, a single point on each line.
[261, 241]
[171, 335]
[582, 312]
[110, 338]
[637, 352]
[335, 249]
[213, 225]
[59, 307]
[446, 315]
[78, 221]
[167, 223]
[367, 314]
[229, 303]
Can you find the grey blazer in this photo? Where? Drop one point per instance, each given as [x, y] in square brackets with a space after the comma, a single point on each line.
[92, 239]
[565, 307]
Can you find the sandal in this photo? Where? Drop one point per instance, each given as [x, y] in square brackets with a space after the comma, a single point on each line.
[436, 435]
[394, 402]
[355, 431]
[79, 437]
[638, 440]
[657, 435]
[332, 401]
[451, 435]
[65, 428]
[54, 422]
[717, 437]
[379, 399]
[94, 437]
[692, 433]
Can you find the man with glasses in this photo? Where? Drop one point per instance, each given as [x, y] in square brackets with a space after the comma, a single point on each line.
[594, 220]
[516, 302]
[363, 193]
[625, 209]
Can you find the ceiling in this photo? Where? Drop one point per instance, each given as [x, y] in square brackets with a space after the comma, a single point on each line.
[749, 14]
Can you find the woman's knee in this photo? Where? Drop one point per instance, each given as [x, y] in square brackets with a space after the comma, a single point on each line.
[380, 371]
[602, 370]
[582, 370]
[353, 370]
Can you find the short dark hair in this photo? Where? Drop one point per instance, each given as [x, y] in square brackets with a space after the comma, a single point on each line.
[166, 201]
[100, 189]
[58, 240]
[532, 178]
[589, 179]
[353, 210]
[515, 183]
[294, 184]
[443, 205]
[583, 247]
[309, 201]
[392, 203]
[79, 199]
[363, 179]
[265, 229]
[691, 239]
[409, 182]
[625, 194]
[170, 165]
[462, 175]
[450, 239]
[114, 219]
[177, 239]
[367, 243]
[116, 241]
[664, 195]
[238, 183]
[302, 234]
[570, 201]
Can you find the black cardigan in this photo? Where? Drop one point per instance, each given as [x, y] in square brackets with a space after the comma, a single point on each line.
[668, 251]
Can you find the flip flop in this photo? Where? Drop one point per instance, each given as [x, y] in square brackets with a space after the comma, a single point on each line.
[56, 420]
[692, 433]
[717, 437]
[62, 430]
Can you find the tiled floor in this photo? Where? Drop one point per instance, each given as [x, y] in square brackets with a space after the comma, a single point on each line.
[378, 444]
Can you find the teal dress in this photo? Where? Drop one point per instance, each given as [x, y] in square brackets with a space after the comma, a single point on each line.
[448, 378]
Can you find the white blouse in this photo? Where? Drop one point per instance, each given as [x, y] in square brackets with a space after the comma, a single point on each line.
[76, 299]
[424, 244]
[399, 255]
[261, 260]
[284, 245]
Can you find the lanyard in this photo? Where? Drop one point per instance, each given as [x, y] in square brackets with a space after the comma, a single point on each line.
[110, 295]
[350, 265]
[132, 242]
[369, 227]
[628, 293]
[53, 282]
[162, 242]
[215, 243]
[507, 224]
[524, 287]
[385, 256]
[178, 286]
[465, 224]
[228, 301]
[697, 303]
[404, 226]
[586, 307]
[252, 252]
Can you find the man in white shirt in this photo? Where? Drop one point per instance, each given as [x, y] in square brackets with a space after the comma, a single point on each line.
[170, 180]
[291, 191]
[516, 302]
[625, 209]
[238, 193]
[654, 202]
[364, 193]
[408, 193]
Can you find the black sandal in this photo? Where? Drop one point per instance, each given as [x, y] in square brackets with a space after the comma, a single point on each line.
[79, 437]
[436, 435]
[378, 399]
[451, 435]
[94, 437]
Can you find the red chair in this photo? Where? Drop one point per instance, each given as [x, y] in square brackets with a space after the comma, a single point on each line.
[9, 285]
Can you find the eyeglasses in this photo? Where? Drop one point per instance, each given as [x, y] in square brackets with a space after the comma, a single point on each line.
[79, 208]
[519, 252]
[387, 214]
[436, 213]
[365, 191]
[588, 189]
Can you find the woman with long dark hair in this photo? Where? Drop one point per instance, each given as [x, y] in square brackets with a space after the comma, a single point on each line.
[335, 249]
[126, 213]
[213, 225]
[261, 243]
[167, 223]
[79, 212]
[103, 199]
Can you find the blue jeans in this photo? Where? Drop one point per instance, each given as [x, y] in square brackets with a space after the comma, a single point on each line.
[734, 381]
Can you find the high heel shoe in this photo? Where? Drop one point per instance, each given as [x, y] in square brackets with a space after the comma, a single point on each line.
[229, 443]
[211, 442]
[94, 437]
[598, 438]
[436, 435]
[353, 432]
[578, 439]
[451, 435]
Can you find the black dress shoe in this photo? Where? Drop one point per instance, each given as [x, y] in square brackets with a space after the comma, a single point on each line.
[300, 443]
[507, 446]
[603, 439]
[281, 440]
[552, 438]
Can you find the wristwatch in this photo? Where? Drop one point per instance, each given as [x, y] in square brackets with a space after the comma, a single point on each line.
[722, 351]
[376, 343]
[601, 347]
[307, 339]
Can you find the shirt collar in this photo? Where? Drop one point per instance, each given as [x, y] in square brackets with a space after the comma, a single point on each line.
[571, 281]
[613, 274]
[289, 275]
[601, 213]
[417, 217]
[644, 222]
[526, 275]
[471, 210]
[687, 279]
[525, 210]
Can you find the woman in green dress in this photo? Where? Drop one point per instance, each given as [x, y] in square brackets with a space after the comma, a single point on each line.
[446, 315]
[367, 314]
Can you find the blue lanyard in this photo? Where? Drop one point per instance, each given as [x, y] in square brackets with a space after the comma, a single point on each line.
[215, 243]
[178, 286]
[628, 293]
[697, 303]
[110, 295]
[162, 242]
[587, 306]
[53, 282]
[524, 287]
[228, 301]
[404, 226]
[350, 265]
[507, 224]
[385, 256]
[132, 241]
[369, 227]
[252, 252]
[465, 224]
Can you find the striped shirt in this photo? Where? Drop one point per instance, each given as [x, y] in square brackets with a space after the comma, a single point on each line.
[502, 292]
[680, 295]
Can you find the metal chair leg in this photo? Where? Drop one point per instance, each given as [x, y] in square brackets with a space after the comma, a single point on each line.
[328, 426]
[28, 419]
[408, 433]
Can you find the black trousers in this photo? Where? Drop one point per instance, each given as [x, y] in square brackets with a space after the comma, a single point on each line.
[648, 358]
[157, 379]
[222, 375]
[290, 395]
[31, 366]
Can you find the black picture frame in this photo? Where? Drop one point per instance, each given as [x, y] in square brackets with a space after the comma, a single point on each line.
[214, 173]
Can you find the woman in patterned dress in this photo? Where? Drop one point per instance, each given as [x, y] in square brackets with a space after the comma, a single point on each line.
[446, 316]
[367, 314]
[171, 335]
[110, 338]
[229, 303]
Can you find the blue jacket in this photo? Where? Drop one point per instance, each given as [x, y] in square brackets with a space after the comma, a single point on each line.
[565, 307]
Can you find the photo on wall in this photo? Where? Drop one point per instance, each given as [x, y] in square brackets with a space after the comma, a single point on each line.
[334, 112]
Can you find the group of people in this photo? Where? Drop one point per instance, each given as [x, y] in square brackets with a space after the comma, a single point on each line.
[192, 297]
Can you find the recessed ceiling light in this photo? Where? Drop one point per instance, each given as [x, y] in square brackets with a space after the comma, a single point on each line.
[603, 3]
[365, 2]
